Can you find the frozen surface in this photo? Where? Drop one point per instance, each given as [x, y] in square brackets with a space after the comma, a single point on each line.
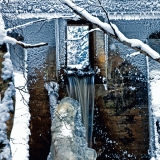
[36, 33]
[7, 70]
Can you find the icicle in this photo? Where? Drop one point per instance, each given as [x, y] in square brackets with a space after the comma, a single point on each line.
[52, 88]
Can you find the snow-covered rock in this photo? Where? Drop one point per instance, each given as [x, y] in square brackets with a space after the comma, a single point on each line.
[68, 133]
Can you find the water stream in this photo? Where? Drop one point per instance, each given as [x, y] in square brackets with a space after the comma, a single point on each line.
[80, 86]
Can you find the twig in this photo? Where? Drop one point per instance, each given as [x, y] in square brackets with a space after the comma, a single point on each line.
[79, 38]
[25, 25]
[108, 19]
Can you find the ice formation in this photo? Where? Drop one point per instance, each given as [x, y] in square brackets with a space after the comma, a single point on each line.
[52, 88]
[68, 133]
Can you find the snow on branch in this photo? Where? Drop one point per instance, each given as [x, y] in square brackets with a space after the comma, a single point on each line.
[25, 25]
[7, 39]
[24, 45]
[107, 28]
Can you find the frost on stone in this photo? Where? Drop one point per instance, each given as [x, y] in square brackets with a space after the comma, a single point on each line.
[68, 133]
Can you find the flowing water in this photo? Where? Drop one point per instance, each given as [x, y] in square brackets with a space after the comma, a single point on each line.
[81, 88]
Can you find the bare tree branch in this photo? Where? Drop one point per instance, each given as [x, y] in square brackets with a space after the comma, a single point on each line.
[108, 18]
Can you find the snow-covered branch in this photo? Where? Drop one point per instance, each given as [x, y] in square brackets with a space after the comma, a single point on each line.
[6, 39]
[25, 25]
[24, 45]
[133, 43]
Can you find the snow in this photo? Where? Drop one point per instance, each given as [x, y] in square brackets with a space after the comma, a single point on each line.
[77, 45]
[132, 88]
[6, 105]
[25, 25]
[9, 40]
[3, 34]
[20, 143]
[90, 18]
[20, 132]
[7, 70]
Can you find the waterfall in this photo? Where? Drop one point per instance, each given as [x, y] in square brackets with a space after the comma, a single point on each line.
[80, 86]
